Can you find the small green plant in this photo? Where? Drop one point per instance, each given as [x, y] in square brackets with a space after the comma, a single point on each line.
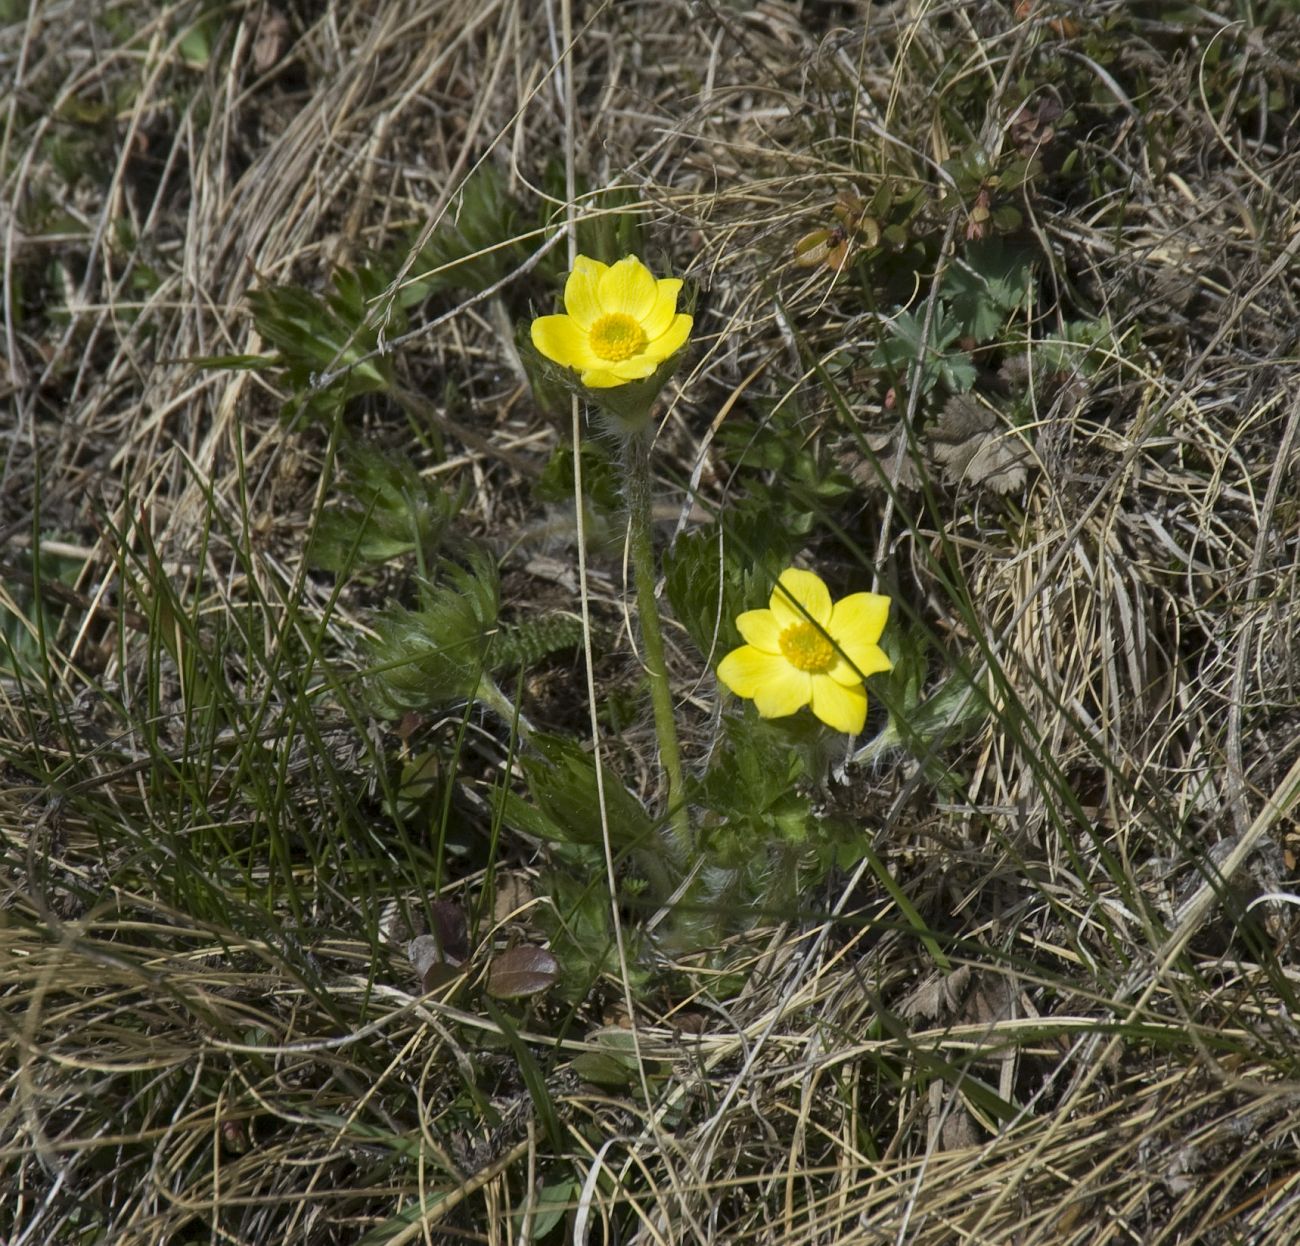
[385, 511]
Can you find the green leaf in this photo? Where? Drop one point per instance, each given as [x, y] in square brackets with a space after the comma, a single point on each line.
[985, 286]
[530, 640]
[750, 789]
[436, 654]
[475, 245]
[336, 333]
[601, 480]
[906, 343]
[550, 1206]
[388, 510]
[714, 574]
[235, 363]
[577, 924]
[561, 779]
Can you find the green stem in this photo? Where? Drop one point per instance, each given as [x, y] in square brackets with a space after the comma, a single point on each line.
[636, 483]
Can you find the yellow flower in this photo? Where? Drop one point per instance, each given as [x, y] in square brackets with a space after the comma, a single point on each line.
[620, 323]
[816, 655]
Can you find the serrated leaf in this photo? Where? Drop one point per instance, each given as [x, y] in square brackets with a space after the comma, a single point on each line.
[522, 971]
[985, 285]
[709, 581]
[528, 641]
[906, 343]
[475, 244]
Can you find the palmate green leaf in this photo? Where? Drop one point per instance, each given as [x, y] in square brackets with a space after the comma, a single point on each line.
[34, 616]
[608, 225]
[906, 342]
[475, 245]
[750, 789]
[1083, 346]
[712, 574]
[985, 286]
[577, 925]
[601, 481]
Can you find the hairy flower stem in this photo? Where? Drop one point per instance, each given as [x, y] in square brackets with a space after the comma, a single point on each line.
[636, 484]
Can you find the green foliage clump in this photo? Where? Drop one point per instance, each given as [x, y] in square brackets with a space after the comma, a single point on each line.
[436, 653]
[563, 810]
[387, 510]
[475, 245]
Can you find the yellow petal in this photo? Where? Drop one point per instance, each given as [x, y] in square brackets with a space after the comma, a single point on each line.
[867, 660]
[581, 297]
[855, 626]
[635, 369]
[808, 590]
[602, 378]
[745, 670]
[786, 690]
[843, 709]
[759, 628]
[856, 663]
[671, 341]
[860, 617]
[660, 316]
[562, 341]
[775, 687]
[628, 287]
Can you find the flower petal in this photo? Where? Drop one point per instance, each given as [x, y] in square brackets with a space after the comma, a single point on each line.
[601, 378]
[843, 709]
[660, 316]
[859, 617]
[745, 670]
[808, 590]
[855, 627]
[789, 689]
[760, 629]
[563, 341]
[628, 287]
[637, 368]
[670, 341]
[581, 290]
[852, 665]
[776, 687]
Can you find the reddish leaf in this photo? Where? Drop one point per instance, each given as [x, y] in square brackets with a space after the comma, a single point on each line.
[450, 929]
[434, 968]
[522, 971]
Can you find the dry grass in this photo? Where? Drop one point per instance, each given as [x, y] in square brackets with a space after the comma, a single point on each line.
[208, 1033]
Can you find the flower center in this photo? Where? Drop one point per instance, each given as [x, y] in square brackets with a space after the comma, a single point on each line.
[807, 648]
[617, 337]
